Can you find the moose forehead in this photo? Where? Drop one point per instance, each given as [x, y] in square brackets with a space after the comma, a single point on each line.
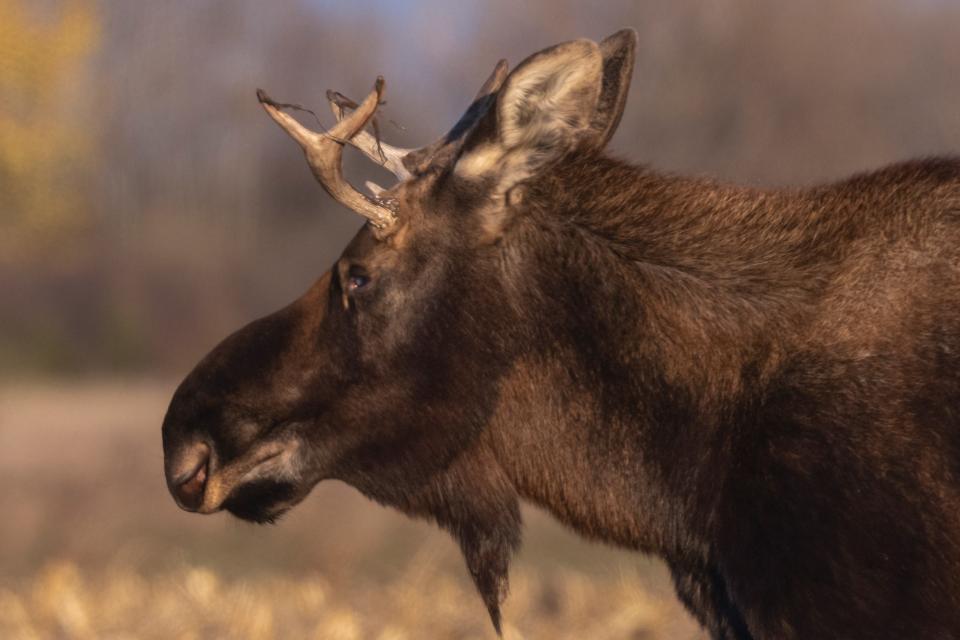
[433, 218]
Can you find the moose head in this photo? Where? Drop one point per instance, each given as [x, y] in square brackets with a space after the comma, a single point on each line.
[390, 370]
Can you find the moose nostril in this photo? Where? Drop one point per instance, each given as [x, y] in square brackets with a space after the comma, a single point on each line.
[190, 491]
[189, 487]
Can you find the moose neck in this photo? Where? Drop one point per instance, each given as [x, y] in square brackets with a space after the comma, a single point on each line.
[652, 304]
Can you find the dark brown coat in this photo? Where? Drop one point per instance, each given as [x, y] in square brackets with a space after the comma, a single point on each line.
[761, 387]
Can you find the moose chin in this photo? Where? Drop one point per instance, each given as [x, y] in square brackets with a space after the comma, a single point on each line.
[761, 387]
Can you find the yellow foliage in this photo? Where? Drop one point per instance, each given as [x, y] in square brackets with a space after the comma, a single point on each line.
[44, 143]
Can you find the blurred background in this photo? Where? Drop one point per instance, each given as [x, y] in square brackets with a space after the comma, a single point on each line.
[148, 208]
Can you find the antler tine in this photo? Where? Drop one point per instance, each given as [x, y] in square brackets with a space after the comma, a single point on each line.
[390, 157]
[324, 152]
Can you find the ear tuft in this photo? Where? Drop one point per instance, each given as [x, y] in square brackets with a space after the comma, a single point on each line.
[549, 98]
[544, 110]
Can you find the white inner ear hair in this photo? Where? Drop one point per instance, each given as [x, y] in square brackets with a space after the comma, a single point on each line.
[481, 161]
[544, 106]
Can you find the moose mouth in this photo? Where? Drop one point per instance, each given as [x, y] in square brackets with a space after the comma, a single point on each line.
[254, 487]
[261, 501]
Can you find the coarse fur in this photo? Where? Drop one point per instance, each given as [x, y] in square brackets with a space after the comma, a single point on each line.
[760, 387]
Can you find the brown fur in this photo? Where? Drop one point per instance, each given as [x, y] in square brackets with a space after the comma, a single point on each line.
[760, 387]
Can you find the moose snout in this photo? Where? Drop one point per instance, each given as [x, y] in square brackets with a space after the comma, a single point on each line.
[187, 475]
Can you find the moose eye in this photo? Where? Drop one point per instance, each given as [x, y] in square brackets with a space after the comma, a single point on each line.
[357, 281]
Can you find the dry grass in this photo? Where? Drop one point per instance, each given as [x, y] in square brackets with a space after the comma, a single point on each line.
[92, 547]
[62, 601]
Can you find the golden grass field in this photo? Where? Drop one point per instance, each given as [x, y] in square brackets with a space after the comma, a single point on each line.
[91, 546]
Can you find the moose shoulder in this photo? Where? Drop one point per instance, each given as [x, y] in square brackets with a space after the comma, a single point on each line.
[760, 387]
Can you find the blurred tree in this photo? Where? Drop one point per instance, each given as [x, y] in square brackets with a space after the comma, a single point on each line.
[44, 144]
[149, 207]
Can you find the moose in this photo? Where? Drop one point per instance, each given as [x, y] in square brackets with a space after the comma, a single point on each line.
[761, 387]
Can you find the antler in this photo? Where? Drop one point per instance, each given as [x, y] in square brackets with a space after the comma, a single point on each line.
[404, 162]
[324, 152]
[380, 152]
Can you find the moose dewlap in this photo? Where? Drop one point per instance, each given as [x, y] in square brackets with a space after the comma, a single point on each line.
[761, 387]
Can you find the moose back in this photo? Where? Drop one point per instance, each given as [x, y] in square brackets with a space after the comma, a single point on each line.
[761, 387]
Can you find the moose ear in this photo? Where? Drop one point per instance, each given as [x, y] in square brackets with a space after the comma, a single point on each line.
[619, 52]
[544, 109]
